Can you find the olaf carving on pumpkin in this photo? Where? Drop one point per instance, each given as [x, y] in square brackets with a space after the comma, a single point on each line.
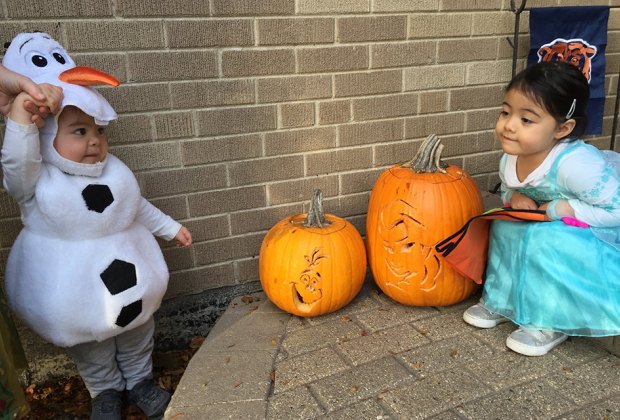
[86, 265]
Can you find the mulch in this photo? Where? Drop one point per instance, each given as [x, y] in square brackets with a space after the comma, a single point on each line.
[68, 399]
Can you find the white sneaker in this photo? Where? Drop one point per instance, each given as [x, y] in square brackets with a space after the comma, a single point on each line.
[534, 342]
[481, 317]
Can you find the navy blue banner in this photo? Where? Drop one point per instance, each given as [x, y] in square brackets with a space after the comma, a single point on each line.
[577, 35]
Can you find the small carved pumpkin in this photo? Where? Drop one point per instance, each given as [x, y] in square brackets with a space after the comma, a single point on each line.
[412, 207]
[312, 264]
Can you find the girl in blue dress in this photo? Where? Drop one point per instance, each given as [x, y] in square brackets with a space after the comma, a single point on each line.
[561, 277]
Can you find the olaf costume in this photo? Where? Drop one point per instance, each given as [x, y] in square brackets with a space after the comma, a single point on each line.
[85, 268]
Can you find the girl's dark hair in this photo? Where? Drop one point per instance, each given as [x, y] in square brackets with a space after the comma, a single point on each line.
[554, 85]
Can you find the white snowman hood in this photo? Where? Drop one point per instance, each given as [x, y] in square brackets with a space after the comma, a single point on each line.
[41, 58]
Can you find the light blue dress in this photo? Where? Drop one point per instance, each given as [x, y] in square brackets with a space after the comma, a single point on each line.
[552, 276]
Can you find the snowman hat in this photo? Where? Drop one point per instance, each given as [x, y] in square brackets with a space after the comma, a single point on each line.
[41, 58]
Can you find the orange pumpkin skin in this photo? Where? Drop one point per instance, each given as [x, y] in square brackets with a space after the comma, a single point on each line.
[408, 214]
[310, 271]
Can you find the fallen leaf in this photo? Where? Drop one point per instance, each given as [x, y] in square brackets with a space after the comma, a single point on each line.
[363, 333]
[454, 353]
[346, 318]
[274, 341]
[196, 342]
[249, 299]
[416, 365]
[354, 388]
[344, 339]
[567, 369]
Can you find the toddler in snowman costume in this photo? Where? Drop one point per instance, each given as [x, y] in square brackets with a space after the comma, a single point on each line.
[85, 272]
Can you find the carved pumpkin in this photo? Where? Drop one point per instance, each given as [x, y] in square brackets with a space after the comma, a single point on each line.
[312, 264]
[412, 207]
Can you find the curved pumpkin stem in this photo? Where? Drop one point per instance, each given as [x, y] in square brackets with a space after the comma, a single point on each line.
[428, 157]
[316, 215]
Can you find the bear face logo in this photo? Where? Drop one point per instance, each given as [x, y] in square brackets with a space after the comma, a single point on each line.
[574, 51]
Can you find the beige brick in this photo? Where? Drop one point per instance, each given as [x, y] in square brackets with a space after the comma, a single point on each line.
[236, 120]
[178, 258]
[10, 228]
[9, 29]
[175, 207]
[403, 54]
[497, 23]
[257, 220]
[297, 115]
[489, 72]
[301, 189]
[372, 28]
[424, 125]
[291, 88]
[431, 102]
[296, 141]
[257, 62]
[130, 129]
[209, 33]
[183, 283]
[368, 83]
[140, 8]
[356, 182]
[173, 125]
[404, 5]
[332, 59]
[476, 97]
[333, 7]
[295, 31]
[463, 144]
[128, 98]
[371, 132]
[252, 7]
[462, 50]
[178, 181]
[434, 77]
[149, 156]
[385, 106]
[225, 201]
[119, 35]
[266, 170]
[221, 149]
[246, 270]
[227, 249]
[8, 206]
[334, 112]
[505, 49]
[57, 8]
[539, 3]
[455, 5]
[481, 120]
[207, 228]
[113, 64]
[439, 25]
[212, 93]
[347, 206]
[479, 164]
[338, 161]
[159, 66]
[393, 153]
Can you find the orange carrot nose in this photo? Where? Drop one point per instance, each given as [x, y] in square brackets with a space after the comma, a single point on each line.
[87, 76]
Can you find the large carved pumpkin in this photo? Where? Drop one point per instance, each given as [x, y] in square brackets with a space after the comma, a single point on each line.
[412, 207]
[312, 264]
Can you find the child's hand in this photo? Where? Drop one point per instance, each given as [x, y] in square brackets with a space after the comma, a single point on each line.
[522, 201]
[183, 237]
[27, 110]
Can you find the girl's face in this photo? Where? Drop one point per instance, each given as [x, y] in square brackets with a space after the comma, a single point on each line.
[526, 129]
[78, 138]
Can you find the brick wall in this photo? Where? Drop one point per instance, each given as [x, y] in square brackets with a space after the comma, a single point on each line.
[233, 111]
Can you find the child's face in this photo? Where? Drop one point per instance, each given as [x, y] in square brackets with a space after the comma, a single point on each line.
[78, 138]
[526, 129]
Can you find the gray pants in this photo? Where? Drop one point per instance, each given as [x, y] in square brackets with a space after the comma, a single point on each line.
[119, 362]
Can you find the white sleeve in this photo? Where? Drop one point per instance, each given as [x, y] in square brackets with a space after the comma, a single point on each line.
[506, 192]
[596, 184]
[158, 223]
[21, 160]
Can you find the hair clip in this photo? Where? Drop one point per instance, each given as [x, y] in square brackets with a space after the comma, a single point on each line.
[571, 111]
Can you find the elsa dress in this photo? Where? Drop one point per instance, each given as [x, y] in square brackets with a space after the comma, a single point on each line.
[549, 275]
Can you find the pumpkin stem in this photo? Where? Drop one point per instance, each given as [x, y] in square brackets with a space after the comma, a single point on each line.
[316, 216]
[428, 157]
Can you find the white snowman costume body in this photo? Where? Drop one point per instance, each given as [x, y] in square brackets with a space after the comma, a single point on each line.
[86, 266]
